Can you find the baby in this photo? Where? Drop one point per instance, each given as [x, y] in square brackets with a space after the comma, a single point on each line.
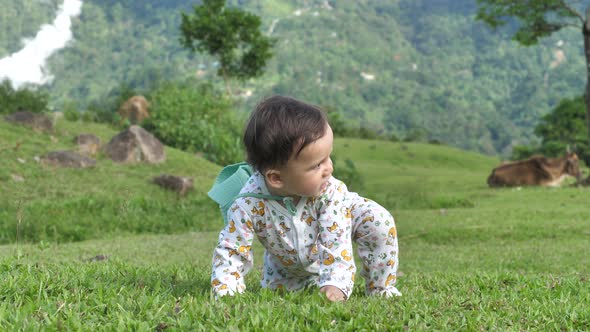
[308, 233]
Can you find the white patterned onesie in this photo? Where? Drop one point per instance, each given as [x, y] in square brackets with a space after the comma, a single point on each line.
[313, 247]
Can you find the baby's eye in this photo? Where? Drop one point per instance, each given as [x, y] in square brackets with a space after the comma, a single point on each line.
[318, 166]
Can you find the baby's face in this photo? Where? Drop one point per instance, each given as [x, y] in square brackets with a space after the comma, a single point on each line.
[308, 174]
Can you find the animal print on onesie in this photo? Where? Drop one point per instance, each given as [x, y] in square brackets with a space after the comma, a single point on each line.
[376, 237]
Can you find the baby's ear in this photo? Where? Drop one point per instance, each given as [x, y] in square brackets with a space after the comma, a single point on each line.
[273, 178]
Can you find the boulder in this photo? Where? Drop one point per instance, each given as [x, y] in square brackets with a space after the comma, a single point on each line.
[135, 109]
[36, 121]
[135, 145]
[68, 159]
[88, 144]
[178, 184]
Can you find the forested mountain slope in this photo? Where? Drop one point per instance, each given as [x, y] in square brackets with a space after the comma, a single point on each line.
[419, 68]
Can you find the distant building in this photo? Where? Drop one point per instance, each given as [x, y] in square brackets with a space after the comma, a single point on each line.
[367, 76]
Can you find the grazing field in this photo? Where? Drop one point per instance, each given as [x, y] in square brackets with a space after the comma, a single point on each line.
[103, 249]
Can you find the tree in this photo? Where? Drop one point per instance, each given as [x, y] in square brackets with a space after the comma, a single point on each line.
[26, 98]
[565, 128]
[561, 129]
[231, 35]
[565, 124]
[539, 19]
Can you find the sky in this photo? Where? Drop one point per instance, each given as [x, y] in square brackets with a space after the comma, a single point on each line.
[28, 65]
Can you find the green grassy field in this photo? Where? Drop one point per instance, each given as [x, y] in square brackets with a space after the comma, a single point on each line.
[103, 249]
[79, 204]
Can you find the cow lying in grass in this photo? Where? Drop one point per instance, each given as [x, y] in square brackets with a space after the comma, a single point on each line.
[536, 171]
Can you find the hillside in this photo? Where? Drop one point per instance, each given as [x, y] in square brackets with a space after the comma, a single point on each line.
[402, 175]
[415, 68]
[45, 203]
[61, 204]
[471, 258]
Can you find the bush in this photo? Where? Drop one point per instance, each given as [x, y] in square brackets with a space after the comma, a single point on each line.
[416, 135]
[22, 99]
[101, 113]
[195, 117]
[565, 127]
[523, 152]
[336, 121]
[70, 110]
[103, 109]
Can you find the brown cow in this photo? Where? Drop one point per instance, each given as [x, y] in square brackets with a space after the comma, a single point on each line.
[135, 109]
[535, 171]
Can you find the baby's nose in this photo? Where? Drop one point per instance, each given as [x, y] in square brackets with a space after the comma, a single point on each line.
[329, 169]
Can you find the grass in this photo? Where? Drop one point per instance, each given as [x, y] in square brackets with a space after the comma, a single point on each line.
[471, 258]
[418, 176]
[79, 204]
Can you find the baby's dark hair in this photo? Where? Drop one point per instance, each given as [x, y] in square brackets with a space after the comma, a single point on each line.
[279, 128]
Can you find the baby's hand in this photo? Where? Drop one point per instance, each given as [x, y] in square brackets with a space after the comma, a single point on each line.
[333, 293]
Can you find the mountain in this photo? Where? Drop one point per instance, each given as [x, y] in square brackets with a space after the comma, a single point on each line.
[423, 69]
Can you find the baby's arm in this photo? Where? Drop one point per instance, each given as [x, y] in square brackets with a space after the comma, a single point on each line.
[337, 267]
[232, 258]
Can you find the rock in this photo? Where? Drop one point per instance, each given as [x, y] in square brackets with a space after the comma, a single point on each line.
[68, 159]
[36, 121]
[135, 109]
[135, 145]
[180, 185]
[97, 258]
[88, 144]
